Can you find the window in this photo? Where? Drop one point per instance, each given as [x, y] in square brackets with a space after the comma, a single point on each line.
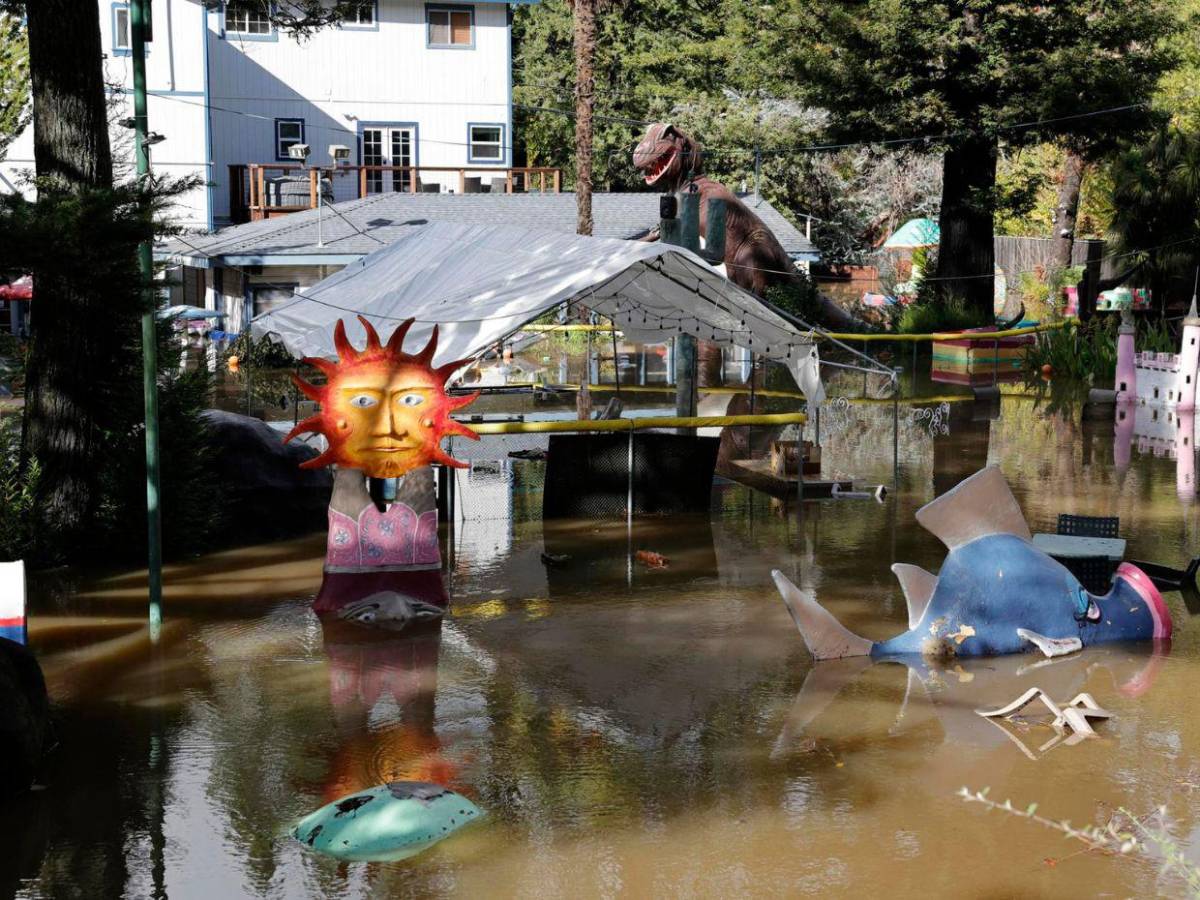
[287, 133]
[247, 17]
[266, 297]
[363, 16]
[122, 40]
[450, 26]
[485, 143]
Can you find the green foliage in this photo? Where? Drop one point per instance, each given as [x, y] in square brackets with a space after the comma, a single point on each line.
[688, 63]
[967, 70]
[189, 493]
[1042, 291]
[1087, 352]
[12, 363]
[88, 239]
[938, 314]
[799, 298]
[259, 354]
[18, 495]
[1156, 221]
[14, 79]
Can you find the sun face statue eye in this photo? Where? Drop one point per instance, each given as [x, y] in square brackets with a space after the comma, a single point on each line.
[411, 400]
[363, 401]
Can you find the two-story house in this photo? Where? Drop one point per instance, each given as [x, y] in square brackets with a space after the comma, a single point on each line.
[405, 83]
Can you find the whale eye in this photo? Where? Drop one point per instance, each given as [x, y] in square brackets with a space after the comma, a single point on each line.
[412, 400]
[363, 401]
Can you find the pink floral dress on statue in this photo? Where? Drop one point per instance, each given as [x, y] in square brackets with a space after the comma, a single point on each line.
[392, 551]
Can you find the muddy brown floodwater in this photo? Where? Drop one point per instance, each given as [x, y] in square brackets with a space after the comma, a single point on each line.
[630, 731]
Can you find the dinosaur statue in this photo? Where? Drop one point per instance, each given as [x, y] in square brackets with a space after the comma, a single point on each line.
[671, 161]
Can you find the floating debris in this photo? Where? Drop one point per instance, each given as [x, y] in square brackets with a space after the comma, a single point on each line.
[386, 823]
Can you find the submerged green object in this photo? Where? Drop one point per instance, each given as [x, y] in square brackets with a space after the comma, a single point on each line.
[386, 823]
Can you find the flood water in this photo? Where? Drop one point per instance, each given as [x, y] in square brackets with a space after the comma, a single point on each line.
[628, 731]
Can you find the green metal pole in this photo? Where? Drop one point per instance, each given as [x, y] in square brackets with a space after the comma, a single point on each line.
[139, 26]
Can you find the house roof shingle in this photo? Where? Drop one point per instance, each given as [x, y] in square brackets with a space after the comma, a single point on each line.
[358, 227]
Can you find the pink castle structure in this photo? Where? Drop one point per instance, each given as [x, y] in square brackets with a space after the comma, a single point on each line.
[1166, 380]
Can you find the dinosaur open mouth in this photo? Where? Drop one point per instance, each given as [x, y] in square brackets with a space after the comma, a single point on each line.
[664, 163]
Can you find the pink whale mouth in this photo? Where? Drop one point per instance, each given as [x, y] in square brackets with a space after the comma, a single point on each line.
[1141, 583]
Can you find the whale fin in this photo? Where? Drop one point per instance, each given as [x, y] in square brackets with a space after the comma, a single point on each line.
[918, 586]
[1051, 646]
[824, 635]
[977, 506]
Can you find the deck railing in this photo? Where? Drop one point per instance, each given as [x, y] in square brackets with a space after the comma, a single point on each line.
[257, 192]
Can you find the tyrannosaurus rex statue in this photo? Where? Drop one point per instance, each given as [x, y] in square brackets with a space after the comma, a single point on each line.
[670, 161]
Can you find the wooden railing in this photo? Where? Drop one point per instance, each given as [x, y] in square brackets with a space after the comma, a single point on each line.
[250, 200]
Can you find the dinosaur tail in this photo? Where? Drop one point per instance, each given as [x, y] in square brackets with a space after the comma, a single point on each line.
[824, 635]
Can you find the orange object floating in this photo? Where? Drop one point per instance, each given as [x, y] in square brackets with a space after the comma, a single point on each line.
[651, 559]
[233, 363]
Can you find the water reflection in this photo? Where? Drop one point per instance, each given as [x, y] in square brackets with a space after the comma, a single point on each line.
[941, 701]
[635, 731]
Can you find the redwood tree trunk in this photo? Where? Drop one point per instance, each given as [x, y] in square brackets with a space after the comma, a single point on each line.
[585, 84]
[966, 252]
[1067, 210]
[67, 356]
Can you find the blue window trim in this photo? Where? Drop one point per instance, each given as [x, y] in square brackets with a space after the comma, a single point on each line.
[449, 7]
[242, 36]
[120, 51]
[354, 26]
[416, 129]
[293, 119]
[493, 160]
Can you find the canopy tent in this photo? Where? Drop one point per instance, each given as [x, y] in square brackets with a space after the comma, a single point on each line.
[914, 233]
[21, 289]
[480, 283]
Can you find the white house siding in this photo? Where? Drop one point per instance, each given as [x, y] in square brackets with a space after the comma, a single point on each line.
[175, 80]
[340, 80]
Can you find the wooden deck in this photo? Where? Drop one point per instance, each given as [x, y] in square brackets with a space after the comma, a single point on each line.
[757, 474]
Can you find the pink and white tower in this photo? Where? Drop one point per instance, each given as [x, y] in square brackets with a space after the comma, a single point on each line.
[1189, 361]
[1126, 381]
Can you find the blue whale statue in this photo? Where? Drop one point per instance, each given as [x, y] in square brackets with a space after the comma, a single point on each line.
[996, 593]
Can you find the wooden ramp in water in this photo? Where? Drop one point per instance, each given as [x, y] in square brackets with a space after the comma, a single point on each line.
[757, 474]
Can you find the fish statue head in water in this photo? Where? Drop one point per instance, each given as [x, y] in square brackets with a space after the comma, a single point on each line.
[996, 592]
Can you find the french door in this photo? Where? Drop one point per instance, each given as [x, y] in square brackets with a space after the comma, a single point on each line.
[388, 145]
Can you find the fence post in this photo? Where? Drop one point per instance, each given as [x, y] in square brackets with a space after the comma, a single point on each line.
[685, 344]
[362, 182]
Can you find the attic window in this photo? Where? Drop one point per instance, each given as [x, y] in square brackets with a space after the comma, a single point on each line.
[450, 27]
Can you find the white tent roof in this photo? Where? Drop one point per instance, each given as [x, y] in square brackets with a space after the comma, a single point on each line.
[480, 283]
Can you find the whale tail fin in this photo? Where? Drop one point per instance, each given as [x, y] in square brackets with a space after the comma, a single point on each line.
[825, 636]
[977, 506]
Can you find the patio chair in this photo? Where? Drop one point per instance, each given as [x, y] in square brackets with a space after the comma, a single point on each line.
[1089, 526]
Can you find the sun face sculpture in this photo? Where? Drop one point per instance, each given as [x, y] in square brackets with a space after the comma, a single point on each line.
[382, 411]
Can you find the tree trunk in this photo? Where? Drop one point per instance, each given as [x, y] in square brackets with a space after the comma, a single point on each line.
[1067, 210]
[70, 330]
[966, 252]
[585, 84]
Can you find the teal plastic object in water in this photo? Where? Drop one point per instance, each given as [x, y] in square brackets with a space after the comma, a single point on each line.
[386, 823]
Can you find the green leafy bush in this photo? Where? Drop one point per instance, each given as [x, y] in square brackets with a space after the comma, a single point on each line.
[939, 314]
[18, 496]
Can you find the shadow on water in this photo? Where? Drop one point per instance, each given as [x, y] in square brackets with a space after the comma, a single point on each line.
[627, 728]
